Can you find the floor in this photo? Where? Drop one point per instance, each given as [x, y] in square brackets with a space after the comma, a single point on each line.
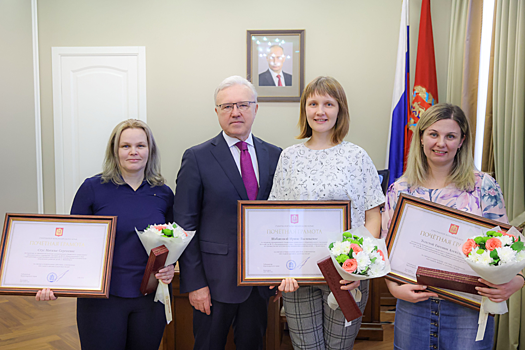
[31, 325]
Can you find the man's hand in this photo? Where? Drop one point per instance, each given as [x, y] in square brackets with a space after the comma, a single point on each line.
[200, 299]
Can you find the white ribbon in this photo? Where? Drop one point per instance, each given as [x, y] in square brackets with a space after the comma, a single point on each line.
[332, 302]
[163, 295]
[489, 307]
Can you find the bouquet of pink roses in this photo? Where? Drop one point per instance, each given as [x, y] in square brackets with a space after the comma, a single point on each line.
[176, 240]
[358, 256]
[497, 256]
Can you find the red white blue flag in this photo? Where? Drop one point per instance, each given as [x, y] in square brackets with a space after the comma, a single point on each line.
[400, 102]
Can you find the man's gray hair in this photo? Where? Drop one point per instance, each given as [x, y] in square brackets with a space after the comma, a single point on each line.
[235, 80]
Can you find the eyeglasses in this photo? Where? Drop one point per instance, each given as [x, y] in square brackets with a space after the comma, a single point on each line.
[242, 106]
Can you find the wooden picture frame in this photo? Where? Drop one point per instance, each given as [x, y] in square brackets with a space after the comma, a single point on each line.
[275, 56]
[71, 254]
[433, 231]
[278, 239]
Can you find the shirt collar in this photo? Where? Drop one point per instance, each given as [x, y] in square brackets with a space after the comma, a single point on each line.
[231, 141]
[274, 75]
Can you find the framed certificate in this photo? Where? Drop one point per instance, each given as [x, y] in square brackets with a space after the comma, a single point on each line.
[431, 235]
[279, 239]
[71, 254]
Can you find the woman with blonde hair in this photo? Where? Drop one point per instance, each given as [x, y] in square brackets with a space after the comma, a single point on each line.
[440, 169]
[326, 167]
[131, 188]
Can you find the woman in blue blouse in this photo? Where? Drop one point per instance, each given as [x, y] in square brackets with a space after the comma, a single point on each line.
[131, 188]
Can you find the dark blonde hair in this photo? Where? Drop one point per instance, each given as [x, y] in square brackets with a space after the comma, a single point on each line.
[462, 172]
[112, 169]
[331, 87]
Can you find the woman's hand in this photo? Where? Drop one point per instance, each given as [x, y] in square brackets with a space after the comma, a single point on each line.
[412, 293]
[45, 294]
[349, 285]
[287, 285]
[500, 292]
[166, 274]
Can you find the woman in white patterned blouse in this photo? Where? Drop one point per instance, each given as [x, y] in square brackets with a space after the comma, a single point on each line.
[326, 168]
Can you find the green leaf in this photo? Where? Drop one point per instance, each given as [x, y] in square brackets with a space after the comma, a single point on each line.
[480, 251]
[494, 254]
[331, 245]
[350, 253]
[373, 260]
[517, 246]
[167, 232]
[342, 258]
[347, 235]
[498, 234]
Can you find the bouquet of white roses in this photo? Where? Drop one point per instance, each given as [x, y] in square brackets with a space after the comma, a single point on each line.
[358, 256]
[497, 256]
[176, 240]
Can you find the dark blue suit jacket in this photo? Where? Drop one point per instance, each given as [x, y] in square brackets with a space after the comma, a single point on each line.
[208, 187]
[266, 79]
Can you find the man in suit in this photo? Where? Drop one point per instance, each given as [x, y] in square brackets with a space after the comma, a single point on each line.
[275, 76]
[212, 177]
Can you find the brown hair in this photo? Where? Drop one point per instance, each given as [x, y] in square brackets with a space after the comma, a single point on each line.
[331, 87]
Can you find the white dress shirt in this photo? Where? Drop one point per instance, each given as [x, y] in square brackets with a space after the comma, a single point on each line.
[274, 76]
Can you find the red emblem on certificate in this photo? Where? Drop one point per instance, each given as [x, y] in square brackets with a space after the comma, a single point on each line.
[453, 229]
[59, 231]
[294, 218]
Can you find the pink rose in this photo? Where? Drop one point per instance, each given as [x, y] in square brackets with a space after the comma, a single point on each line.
[350, 265]
[381, 253]
[467, 247]
[493, 243]
[356, 248]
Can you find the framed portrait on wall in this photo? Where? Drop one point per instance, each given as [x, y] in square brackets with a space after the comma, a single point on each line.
[276, 64]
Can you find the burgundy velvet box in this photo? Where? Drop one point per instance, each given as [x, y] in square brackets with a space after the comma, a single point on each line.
[448, 280]
[156, 261]
[345, 300]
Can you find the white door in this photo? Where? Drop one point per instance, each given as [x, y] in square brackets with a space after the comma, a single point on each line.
[94, 88]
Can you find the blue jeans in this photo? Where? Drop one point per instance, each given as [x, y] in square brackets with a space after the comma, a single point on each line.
[439, 324]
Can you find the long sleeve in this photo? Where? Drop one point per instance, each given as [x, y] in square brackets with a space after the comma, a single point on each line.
[186, 213]
[83, 202]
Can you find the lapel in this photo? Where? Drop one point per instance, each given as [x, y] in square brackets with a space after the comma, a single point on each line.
[223, 155]
[264, 166]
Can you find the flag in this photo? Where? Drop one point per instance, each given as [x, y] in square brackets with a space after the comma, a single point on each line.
[425, 92]
[400, 101]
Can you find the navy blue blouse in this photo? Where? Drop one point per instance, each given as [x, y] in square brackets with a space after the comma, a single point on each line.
[134, 209]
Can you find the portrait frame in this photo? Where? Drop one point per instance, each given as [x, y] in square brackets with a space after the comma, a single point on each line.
[279, 248]
[258, 44]
[425, 211]
[70, 254]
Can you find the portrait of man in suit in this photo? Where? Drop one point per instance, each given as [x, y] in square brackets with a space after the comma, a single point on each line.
[274, 75]
[213, 176]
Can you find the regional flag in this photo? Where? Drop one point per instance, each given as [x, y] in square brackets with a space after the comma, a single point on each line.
[425, 92]
[400, 102]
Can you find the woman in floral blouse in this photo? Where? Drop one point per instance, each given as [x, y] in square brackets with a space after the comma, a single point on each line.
[326, 168]
[440, 169]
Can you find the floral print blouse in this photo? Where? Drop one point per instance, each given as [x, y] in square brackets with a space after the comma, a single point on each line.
[342, 172]
[486, 200]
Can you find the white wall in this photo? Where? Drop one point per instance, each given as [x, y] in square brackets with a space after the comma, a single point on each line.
[192, 45]
[18, 179]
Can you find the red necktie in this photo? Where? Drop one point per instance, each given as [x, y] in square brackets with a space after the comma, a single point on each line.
[279, 83]
[248, 175]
